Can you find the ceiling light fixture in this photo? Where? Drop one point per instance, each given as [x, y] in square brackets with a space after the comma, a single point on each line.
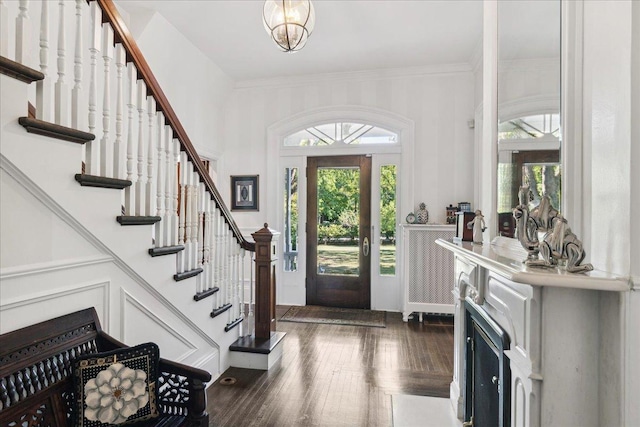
[289, 22]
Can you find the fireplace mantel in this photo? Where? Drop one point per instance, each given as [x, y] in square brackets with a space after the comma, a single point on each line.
[553, 320]
[504, 257]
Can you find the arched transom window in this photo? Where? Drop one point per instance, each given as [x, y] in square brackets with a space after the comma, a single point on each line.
[332, 134]
[539, 126]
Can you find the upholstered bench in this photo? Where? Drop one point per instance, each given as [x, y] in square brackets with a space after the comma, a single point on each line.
[37, 376]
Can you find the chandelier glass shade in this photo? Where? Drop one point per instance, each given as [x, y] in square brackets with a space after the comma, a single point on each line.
[289, 22]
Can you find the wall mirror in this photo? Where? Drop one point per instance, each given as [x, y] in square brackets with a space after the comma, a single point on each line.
[529, 132]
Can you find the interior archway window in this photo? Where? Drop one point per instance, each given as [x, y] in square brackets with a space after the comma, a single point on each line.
[341, 133]
[539, 126]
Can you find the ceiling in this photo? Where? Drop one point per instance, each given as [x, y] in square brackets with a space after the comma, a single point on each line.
[349, 35]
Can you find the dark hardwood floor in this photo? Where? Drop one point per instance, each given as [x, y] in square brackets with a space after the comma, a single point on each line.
[338, 375]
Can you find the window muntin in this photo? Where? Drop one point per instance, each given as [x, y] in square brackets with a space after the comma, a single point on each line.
[340, 133]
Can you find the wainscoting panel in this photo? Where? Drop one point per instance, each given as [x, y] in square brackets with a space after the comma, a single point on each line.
[139, 323]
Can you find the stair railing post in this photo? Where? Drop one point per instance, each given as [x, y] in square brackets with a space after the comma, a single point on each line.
[265, 311]
[174, 190]
[251, 317]
[169, 172]
[61, 89]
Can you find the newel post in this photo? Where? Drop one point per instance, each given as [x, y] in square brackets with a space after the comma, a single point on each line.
[265, 308]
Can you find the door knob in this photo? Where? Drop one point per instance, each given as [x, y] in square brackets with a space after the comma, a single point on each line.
[365, 246]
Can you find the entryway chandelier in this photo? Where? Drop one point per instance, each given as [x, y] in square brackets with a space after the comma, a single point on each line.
[289, 22]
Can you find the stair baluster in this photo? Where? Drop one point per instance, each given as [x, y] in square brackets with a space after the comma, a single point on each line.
[4, 29]
[174, 191]
[140, 182]
[150, 206]
[23, 33]
[129, 192]
[43, 87]
[182, 237]
[195, 231]
[93, 147]
[168, 192]
[61, 89]
[119, 169]
[106, 148]
[76, 92]
[161, 171]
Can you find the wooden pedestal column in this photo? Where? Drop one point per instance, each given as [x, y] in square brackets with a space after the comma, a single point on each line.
[265, 309]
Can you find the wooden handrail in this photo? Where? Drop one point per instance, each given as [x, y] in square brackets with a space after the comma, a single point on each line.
[122, 35]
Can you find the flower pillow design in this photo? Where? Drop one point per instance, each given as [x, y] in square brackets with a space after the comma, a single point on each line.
[117, 387]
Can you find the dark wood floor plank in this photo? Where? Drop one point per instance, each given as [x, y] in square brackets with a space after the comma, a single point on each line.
[335, 375]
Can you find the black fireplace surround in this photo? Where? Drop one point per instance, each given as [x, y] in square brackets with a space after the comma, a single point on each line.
[487, 375]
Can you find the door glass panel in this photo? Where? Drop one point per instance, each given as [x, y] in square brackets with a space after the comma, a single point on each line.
[290, 250]
[387, 238]
[338, 221]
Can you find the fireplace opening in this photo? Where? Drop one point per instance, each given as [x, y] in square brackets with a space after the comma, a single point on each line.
[487, 391]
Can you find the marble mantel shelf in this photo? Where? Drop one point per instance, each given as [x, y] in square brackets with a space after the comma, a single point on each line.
[504, 256]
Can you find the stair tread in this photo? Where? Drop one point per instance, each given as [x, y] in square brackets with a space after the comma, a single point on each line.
[185, 275]
[101, 181]
[165, 250]
[204, 294]
[218, 311]
[18, 71]
[137, 219]
[52, 130]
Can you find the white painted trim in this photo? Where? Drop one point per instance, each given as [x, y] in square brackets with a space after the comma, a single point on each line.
[62, 292]
[128, 297]
[14, 172]
[389, 73]
[574, 205]
[635, 283]
[48, 267]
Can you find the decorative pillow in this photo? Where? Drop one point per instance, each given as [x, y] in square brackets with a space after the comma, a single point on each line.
[116, 387]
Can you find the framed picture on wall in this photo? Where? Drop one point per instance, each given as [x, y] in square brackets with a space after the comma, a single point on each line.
[244, 193]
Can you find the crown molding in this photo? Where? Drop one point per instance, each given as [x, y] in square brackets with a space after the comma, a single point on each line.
[300, 80]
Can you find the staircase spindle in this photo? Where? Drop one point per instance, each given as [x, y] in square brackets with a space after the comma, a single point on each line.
[228, 271]
[206, 250]
[187, 215]
[129, 192]
[201, 282]
[106, 149]
[44, 87]
[140, 183]
[174, 189]
[195, 232]
[219, 257]
[4, 30]
[236, 280]
[243, 263]
[216, 253]
[93, 147]
[251, 318]
[182, 211]
[169, 172]
[76, 92]
[61, 90]
[150, 206]
[160, 182]
[119, 168]
[23, 33]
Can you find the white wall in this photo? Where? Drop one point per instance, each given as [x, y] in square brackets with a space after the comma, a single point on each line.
[196, 87]
[439, 104]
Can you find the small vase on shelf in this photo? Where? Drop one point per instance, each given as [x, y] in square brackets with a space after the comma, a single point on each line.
[422, 214]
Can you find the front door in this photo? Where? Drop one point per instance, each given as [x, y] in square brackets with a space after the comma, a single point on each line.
[339, 231]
